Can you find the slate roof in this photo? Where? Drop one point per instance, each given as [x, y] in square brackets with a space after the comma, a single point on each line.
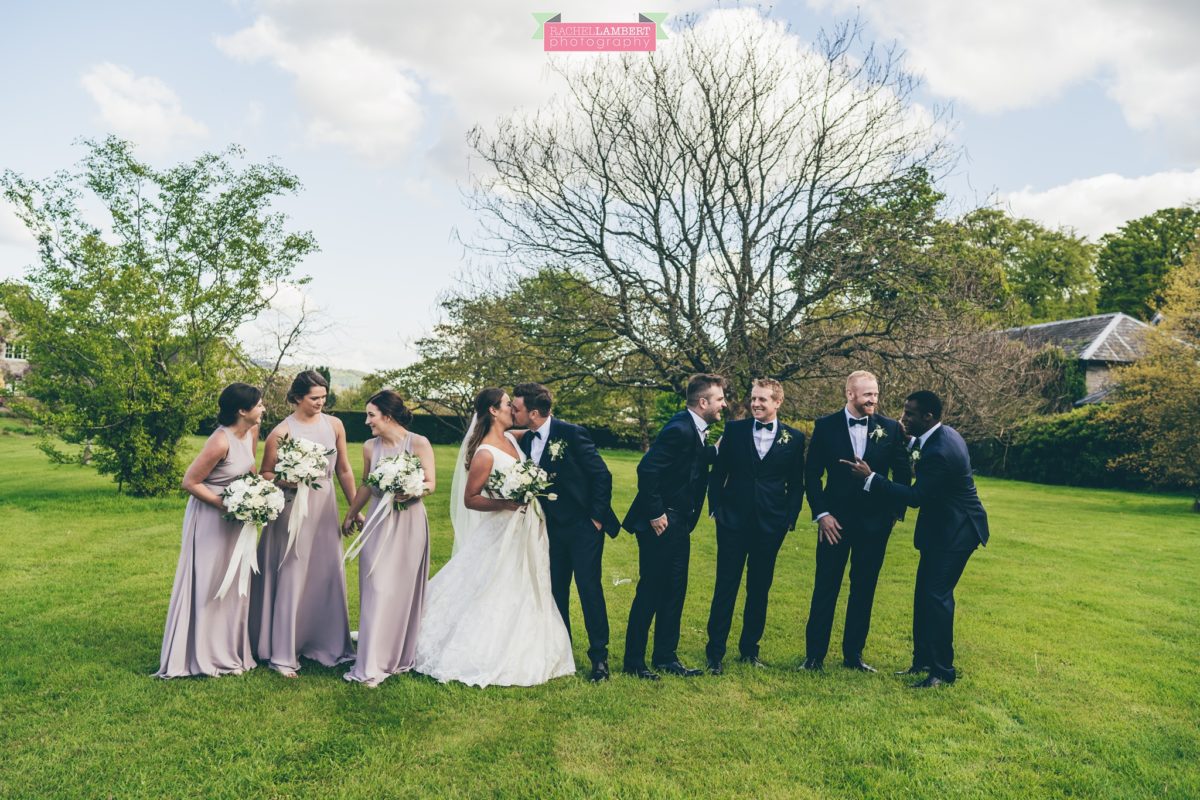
[1111, 338]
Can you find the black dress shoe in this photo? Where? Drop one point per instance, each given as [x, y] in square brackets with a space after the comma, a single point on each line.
[599, 671]
[753, 661]
[913, 670]
[813, 665]
[715, 668]
[642, 672]
[675, 668]
[859, 665]
[931, 682]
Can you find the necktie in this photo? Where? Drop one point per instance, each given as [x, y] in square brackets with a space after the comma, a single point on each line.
[758, 426]
[854, 421]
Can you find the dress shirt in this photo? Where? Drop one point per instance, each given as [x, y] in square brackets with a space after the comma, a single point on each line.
[763, 438]
[701, 426]
[538, 445]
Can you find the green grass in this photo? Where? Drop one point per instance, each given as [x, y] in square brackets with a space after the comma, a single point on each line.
[1077, 633]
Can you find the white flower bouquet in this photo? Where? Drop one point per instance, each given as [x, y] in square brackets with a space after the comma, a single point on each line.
[523, 482]
[252, 501]
[399, 475]
[302, 462]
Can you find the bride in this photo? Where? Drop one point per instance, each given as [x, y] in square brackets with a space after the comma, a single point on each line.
[489, 616]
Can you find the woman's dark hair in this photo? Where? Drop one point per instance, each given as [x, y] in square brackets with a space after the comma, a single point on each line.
[391, 405]
[303, 384]
[234, 398]
[486, 400]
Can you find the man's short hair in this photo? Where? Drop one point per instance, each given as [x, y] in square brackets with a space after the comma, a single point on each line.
[859, 374]
[699, 384]
[927, 403]
[772, 385]
[535, 396]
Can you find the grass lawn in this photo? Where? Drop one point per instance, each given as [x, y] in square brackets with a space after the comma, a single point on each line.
[1078, 634]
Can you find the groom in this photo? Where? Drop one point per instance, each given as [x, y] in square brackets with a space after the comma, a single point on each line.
[577, 519]
[672, 479]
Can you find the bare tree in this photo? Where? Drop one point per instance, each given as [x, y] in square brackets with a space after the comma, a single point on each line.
[735, 202]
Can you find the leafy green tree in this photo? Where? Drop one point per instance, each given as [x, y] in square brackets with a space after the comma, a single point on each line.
[1134, 262]
[131, 320]
[1050, 274]
[1159, 395]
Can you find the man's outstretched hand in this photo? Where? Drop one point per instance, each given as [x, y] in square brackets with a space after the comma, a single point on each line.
[859, 467]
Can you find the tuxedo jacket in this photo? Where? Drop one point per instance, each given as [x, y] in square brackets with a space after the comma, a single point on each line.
[747, 492]
[581, 479]
[841, 494]
[672, 476]
[951, 517]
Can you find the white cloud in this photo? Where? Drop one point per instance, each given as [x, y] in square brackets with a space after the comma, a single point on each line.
[368, 74]
[355, 95]
[12, 231]
[1101, 204]
[140, 108]
[1019, 53]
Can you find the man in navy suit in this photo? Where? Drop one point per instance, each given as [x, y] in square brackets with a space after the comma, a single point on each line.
[578, 517]
[672, 479]
[950, 525]
[852, 525]
[755, 494]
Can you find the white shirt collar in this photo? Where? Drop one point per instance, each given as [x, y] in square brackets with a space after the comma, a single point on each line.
[924, 437]
[544, 430]
[850, 416]
[698, 421]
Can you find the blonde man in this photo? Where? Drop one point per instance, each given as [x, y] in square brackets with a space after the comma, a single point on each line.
[852, 523]
[755, 493]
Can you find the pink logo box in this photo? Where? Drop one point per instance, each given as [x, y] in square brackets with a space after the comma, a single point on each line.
[599, 37]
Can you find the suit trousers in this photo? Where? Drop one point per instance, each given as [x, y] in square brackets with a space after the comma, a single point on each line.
[864, 546]
[753, 550]
[661, 588]
[577, 549]
[933, 610]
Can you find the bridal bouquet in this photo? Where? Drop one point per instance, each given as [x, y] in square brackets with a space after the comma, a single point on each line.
[252, 501]
[522, 482]
[401, 475]
[302, 462]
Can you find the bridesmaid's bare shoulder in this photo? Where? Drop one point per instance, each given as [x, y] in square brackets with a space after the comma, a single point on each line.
[335, 423]
[279, 430]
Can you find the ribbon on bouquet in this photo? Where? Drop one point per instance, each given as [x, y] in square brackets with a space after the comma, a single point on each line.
[382, 509]
[296, 518]
[242, 562]
[531, 555]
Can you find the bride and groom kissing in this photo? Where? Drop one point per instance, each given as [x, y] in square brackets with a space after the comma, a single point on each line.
[498, 612]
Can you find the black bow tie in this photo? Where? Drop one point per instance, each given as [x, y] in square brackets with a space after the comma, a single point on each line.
[854, 421]
[535, 434]
[758, 426]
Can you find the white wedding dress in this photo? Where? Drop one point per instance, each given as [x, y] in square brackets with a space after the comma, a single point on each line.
[489, 616]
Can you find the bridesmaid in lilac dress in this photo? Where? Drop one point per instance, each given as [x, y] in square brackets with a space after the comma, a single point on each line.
[298, 600]
[393, 566]
[204, 635]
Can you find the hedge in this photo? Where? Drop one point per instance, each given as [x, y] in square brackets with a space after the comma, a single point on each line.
[1071, 449]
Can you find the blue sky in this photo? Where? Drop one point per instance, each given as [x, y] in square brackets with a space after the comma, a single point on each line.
[1074, 113]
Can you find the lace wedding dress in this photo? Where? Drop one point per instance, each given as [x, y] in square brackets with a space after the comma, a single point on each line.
[489, 616]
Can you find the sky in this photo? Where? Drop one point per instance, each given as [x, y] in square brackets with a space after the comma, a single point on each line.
[1077, 113]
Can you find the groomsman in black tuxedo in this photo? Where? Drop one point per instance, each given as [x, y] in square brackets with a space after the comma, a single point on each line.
[852, 524]
[672, 479]
[950, 526]
[579, 516]
[755, 494]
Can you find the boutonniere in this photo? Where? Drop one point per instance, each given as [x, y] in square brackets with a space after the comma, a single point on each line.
[785, 436]
[914, 456]
[556, 449]
[879, 434]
